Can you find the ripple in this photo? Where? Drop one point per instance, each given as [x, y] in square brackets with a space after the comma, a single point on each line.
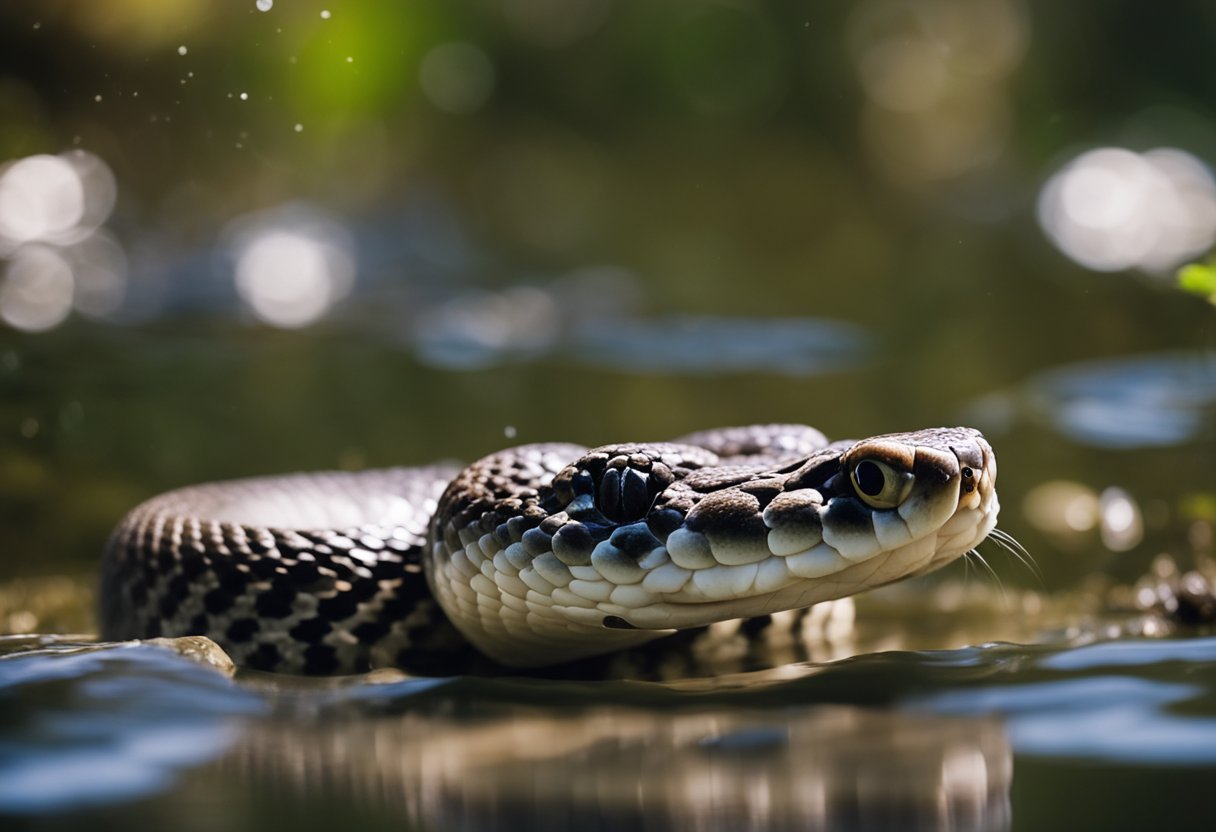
[108, 726]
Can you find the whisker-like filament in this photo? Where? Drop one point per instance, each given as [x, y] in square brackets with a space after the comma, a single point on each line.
[1010, 544]
[992, 572]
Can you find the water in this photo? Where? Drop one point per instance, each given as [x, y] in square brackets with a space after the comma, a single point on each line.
[976, 738]
[873, 217]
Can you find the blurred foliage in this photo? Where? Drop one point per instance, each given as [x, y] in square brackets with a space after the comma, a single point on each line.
[1199, 279]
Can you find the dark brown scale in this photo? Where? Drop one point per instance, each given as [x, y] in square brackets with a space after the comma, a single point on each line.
[365, 589]
[265, 657]
[167, 607]
[369, 632]
[728, 515]
[815, 472]
[763, 490]
[274, 604]
[338, 608]
[243, 629]
[664, 521]
[322, 660]
[311, 630]
[218, 601]
[573, 543]
[179, 587]
[635, 540]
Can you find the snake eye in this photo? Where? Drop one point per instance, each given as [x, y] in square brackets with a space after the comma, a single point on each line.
[879, 485]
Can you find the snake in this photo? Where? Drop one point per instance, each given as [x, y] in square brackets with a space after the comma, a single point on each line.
[543, 554]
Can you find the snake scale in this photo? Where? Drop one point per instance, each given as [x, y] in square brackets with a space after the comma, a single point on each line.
[542, 554]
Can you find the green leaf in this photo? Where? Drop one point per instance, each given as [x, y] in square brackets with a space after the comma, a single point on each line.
[1198, 278]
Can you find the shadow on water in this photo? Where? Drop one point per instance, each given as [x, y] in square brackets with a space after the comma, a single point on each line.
[990, 737]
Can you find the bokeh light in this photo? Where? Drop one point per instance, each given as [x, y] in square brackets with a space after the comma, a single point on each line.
[1112, 209]
[1061, 507]
[292, 265]
[1121, 524]
[41, 197]
[51, 208]
[99, 266]
[59, 199]
[36, 293]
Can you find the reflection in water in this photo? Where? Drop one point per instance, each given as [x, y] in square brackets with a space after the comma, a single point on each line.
[1112, 209]
[898, 740]
[1141, 401]
[617, 768]
[1096, 709]
[83, 726]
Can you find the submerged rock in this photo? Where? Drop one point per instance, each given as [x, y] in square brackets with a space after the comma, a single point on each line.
[198, 648]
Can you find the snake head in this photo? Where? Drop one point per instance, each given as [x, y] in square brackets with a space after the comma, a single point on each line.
[629, 541]
[851, 517]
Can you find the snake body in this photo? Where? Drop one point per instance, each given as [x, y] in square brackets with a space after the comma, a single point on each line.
[542, 554]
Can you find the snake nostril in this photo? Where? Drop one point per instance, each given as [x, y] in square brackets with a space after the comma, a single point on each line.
[968, 479]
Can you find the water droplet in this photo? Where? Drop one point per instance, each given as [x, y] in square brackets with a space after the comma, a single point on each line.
[244, 96]
[97, 97]
[182, 50]
[509, 431]
[349, 59]
[29, 427]
[299, 128]
[265, 5]
[325, 14]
